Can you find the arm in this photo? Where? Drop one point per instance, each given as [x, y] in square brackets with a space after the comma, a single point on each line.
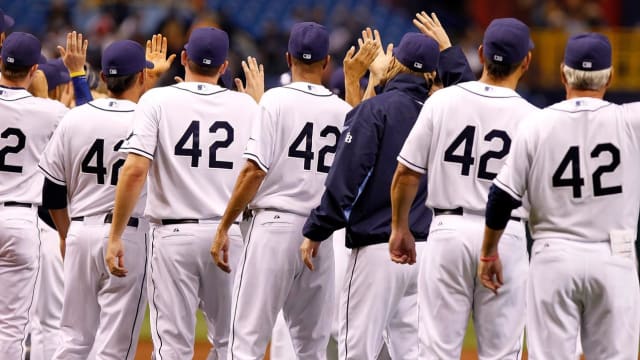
[74, 57]
[156, 52]
[355, 66]
[499, 207]
[254, 74]
[403, 192]
[54, 198]
[131, 180]
[246, 187]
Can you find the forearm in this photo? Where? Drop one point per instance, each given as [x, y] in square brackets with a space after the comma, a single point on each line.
[403, 192]
[245, 189]
[130, 183]
[352, 90]
[81, 89]
[490, 242]
[61, 219]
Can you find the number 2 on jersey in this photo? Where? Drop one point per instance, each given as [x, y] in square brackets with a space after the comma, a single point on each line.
[12, 132]
[96, 155]
[193, 132]
[306, 136]
[466, 138]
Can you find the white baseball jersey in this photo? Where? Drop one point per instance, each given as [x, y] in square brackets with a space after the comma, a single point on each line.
[462, 136]
[83, 155]
[294, 140]
[26, 124]
[578, 162]
[195, 134]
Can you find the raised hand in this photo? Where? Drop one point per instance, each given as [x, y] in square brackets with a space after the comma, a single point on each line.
[156, 52]
[74, 56]
[431, 26]
[383, 58]
[254, 74]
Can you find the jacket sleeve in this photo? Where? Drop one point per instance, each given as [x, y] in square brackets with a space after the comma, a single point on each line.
[354, 160]
[453, 67]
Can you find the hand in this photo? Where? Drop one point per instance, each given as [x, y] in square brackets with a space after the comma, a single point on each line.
[220, 250]
[379, 66]
[254, 74]
[157, 53]
[308, 250]
[490, 273]
[431, 27]
[356, 63]
[115, 257]
[74, 56]
[402, 247]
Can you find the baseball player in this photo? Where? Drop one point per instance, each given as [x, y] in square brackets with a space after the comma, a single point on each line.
[461, 138]
[378, 295]
[26, 125]
[97, 308]
[58, 81]
[575, 162]
[189, 138]
[288, 155]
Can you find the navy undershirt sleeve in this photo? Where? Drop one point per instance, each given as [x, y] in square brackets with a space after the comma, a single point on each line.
[54, 196]
[81, 90]
[499, 207]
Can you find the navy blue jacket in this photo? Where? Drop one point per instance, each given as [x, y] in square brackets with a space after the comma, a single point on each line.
[357, 194]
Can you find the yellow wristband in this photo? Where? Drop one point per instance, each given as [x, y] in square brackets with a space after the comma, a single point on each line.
[78, 73]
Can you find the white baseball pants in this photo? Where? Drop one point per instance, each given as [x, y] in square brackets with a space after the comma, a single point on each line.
[183, 278]
[578, 286]
[378, 296]
[448, 290]
[19, 262]
[271, 276]
[102, 313]
[45, 332]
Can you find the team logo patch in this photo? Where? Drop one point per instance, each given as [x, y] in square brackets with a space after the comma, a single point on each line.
[587, 64]
[417, 65]
[206, 61]
[497, 58]
[113, 71]
[10, 59]
[306, 56]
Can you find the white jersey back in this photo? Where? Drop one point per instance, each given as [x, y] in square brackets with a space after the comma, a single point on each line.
[195, 134]
[462, 136]
[26, 125]
[294, 141]
[578, 161]
[83, 155]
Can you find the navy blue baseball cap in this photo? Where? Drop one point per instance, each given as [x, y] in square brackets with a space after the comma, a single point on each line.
[6, 21]
[506, 41]
[208, 46]
[55, 72]
[588, 52]
[418, 52]
[308, 42]
[124, 57]
[21, 49]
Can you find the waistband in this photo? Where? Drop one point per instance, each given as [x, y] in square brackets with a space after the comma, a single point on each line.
[191, 221]
[17, 204]
[108, 219]
[459, 212]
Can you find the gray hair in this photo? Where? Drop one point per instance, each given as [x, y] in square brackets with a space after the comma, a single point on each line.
[586, 80]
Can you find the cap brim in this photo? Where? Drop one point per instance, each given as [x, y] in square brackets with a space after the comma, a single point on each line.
[150, 65]
[8, 22]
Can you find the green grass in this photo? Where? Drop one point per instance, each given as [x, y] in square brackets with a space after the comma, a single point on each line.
[201, 331]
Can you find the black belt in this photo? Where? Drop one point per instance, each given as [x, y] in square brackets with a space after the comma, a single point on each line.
[18, 204]
[458, 211]
[183, 221]
[133, 222]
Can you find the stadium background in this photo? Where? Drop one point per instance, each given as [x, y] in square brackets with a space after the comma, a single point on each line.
[260, 28]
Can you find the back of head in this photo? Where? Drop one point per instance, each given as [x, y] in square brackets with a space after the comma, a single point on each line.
[207, 50]
[56, 73]
[587, 62]
[308, 43]
[20, 51]
[6, 21]
[506, 43]
[122, 61]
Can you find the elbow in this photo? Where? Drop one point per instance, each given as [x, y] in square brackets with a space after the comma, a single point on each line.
[135, 169]
[405, 175]
[253, 172]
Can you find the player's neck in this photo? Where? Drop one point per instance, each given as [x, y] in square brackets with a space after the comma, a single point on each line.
[191, 77]
[303, 76]
[510, 82]
[573, 93]
[131, 95]
[14, 84]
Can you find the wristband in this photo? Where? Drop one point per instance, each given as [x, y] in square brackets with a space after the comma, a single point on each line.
[491, 258]
[77, 73]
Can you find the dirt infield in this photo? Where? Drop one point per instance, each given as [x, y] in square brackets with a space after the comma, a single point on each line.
[202, 349]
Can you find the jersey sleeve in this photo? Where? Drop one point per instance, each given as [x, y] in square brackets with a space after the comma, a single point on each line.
[512, 178]
[52, 160]
[263, 138]
[631, 112]
[353, 163]
[144, 136]
[415, 151]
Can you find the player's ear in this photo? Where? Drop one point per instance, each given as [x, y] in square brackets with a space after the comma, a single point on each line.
[32, 70]
[563, 79]
[223, 67]
[102, 77]
[288, 56]
[183, 58]
[326, 62]
[481, 54]
[526, 62]
[2, 36]
[610, 78]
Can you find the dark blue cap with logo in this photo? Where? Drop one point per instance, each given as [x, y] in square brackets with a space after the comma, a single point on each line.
[418, 52]
[588, 52]
[308, 42]
[6, 21]
[506, 41]
[124, 57]
[21, 49]
[208, 46]
[55, 72]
